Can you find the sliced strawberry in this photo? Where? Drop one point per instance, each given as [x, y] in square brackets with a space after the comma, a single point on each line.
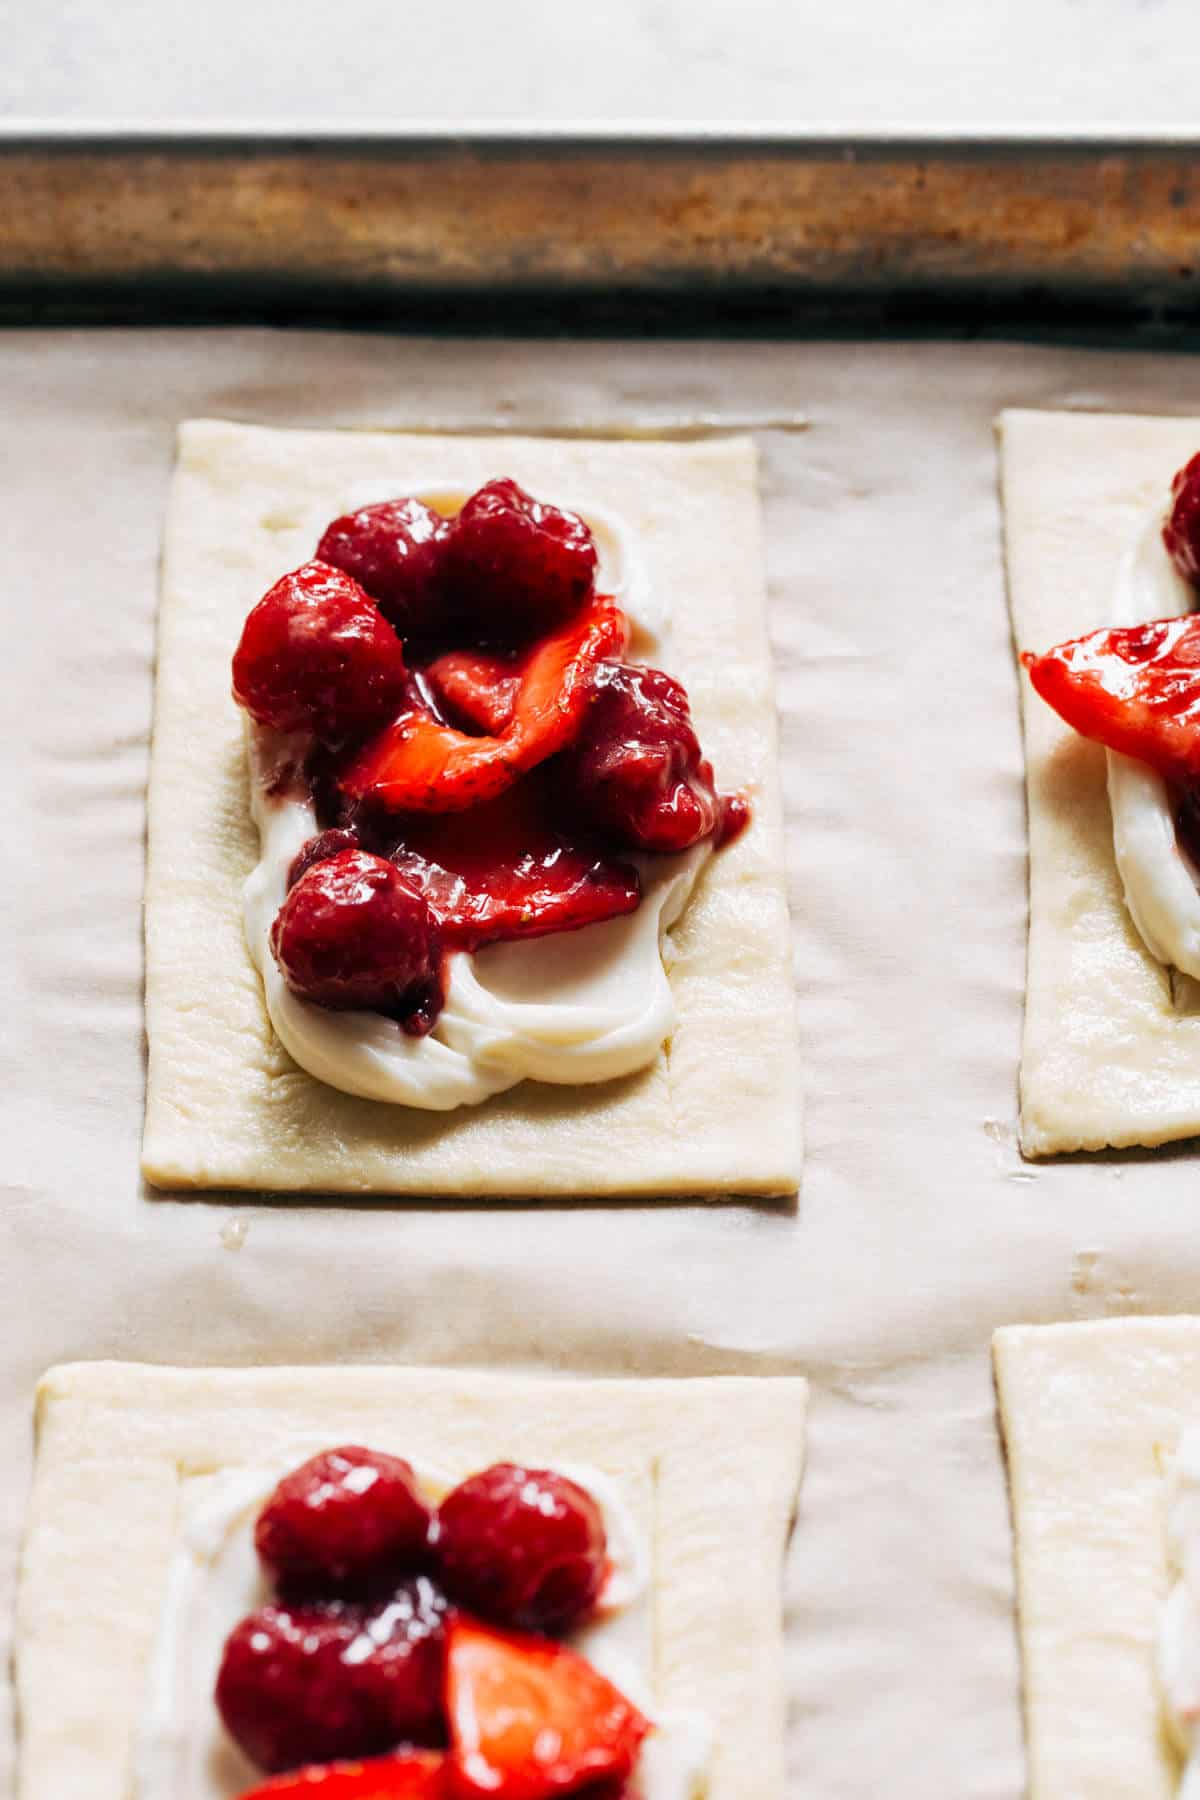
[529, 1718]
[417, 1775]
[1134, 689]
[475, 686]
[502, 871]
[420, 764]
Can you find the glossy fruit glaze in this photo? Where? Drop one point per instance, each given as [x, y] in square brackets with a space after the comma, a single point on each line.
[354, 933]
[412, 1775]
[499, 753]
[329, 1679]
[421, 763]
[342, 1523]
[571, 1727]
[525, 1546]
[369, 1652]
[316, 655]
[1134, 689]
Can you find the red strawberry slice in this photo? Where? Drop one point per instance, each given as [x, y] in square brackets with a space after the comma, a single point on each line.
[502, 871]
[420, 764]
[529, 1718]
[475, 686]
[415, 1776]
[1134, 689]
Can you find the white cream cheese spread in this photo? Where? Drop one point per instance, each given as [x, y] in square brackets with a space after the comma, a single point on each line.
[572, 1008]
[215, 1579]
[1160, 884]
[1179, 1624]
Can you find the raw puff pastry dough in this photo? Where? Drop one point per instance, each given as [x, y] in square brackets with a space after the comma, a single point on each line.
[718, 1112]
[1092, 1416]
[711, 1465]
[1106, 1058]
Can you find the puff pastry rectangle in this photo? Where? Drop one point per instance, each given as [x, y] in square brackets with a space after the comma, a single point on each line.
[718, 1113]
[1106, 1058]
[1092, 1415]
[717, 1459]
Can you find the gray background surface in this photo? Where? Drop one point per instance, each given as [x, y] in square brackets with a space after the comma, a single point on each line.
[854, 64]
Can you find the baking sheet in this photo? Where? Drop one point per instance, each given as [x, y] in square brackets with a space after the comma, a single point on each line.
[482, 213]
[918, 1229]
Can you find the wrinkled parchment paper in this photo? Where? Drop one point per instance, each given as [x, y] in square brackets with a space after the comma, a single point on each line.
[918, 1230]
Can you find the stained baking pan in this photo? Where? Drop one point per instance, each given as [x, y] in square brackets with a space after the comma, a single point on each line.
[919, 1229]
[817, 231]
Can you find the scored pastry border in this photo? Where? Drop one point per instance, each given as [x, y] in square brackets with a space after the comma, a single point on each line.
[718, 1460]
[718, 1113]
[1092, 1414]
[1108, 1058]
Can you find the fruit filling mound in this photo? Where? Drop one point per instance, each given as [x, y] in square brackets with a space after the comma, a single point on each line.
[1136, 689]
[482, 757]
[414, 1653]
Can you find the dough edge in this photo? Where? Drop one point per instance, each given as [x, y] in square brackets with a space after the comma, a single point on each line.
[1106, 1060]
[225, 1107]
[1091, 1414]
[114, 1440]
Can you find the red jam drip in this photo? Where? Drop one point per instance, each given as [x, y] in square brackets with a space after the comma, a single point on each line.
[476, 729]
[735, 818]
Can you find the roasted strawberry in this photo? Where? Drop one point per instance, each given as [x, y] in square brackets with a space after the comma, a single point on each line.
[1135, 689]
[502, 871]
[529, 1718]
[524, 1546]
[419, 764]
[516, 567]
[345, 1522]
[1181, 529]
[353, 933]
[636, 774]
[316, 655]
[476, 689]
[310, 1684]
[396, 550]
[417, 1775]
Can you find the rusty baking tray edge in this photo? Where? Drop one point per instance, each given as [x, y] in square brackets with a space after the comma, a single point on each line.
[375, 217]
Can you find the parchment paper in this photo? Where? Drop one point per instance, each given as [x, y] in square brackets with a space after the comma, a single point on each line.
[918, 1229]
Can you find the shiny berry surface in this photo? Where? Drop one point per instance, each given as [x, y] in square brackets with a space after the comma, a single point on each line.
[522, 1546]
[420, 763]
[530, 1719]
[637, 774]
[316, 655]
[346, 1521]
[501, 871]
[1181, 530]
[518, 568]
[353, 933]
[313, 1684]
[474, 690]
[396, 550]
[1134, 689]
[412, 1775]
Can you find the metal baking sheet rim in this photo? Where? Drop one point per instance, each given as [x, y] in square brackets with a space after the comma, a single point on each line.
[503, 213]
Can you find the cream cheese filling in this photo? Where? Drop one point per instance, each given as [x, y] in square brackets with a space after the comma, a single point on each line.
[573, 1008]
[1159, 882]
[215, 1579]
